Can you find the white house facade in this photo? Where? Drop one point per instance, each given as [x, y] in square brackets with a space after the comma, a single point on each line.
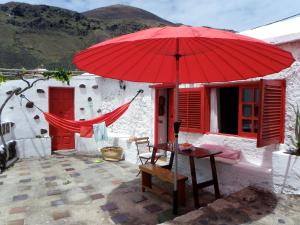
[266, 167]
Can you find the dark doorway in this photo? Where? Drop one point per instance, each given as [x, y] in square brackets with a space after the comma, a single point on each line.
[229, 105]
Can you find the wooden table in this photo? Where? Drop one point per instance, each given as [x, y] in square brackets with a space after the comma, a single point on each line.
[195, 153]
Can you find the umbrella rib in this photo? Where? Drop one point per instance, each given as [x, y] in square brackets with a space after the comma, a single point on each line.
[212, 62]
[149, 63]
[186, 65]
[158, 31]
[201, 68]
[161, 63]
[249, 50]
[109, 46]
[187, 68]
[119, 54]
[95, 50]
[210, 42]
[271, 48]
[221, 47]
[241, 44]
[137, 61]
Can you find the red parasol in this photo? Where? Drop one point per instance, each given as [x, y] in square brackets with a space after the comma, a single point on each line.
[182, 55]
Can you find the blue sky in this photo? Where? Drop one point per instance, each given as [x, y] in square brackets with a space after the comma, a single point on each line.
[231, 14]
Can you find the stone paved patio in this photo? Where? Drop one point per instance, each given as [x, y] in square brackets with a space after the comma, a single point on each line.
[77, 190]
[248, 206]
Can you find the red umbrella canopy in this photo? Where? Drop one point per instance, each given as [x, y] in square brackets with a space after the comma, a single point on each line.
[207, 55]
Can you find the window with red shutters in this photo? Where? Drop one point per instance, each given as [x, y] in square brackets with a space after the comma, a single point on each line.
[190, 109]
[261, 110]
[271, 112]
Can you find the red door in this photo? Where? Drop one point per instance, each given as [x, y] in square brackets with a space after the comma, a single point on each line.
[61, 103]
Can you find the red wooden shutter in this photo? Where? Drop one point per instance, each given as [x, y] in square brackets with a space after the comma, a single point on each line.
[271, 114]
[190, 108]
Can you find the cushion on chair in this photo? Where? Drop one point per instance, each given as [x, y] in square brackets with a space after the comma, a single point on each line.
[228, 154]
[148, 155]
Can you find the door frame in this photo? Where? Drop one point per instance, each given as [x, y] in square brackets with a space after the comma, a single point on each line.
[73, 92]
[157, 88]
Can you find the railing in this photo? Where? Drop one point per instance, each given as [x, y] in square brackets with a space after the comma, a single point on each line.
[13, 73]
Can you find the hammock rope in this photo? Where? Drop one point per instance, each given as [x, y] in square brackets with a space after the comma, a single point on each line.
[85, 127]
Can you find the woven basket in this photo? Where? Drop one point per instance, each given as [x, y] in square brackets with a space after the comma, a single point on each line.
[112, 153]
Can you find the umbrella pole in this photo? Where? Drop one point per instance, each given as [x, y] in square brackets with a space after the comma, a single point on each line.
[176, 131]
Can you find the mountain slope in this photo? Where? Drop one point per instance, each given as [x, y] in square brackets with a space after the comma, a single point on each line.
[36, 35]
[115, 12]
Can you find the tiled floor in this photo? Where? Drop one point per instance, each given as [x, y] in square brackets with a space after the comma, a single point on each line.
[76, 190]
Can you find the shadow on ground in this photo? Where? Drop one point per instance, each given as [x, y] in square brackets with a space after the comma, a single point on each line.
[135, 207]
[248, 206]
[127, 204]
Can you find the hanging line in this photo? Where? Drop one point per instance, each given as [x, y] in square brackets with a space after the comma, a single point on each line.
[23, 96]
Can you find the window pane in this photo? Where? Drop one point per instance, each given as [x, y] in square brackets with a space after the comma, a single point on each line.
[256, 96]
[247, 110]
[247, 95]
[246, 125]
[255, 126]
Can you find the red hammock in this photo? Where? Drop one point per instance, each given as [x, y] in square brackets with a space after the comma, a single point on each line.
[85, 128]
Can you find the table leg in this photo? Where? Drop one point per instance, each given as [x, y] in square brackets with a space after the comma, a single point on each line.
[153, 155]
[194, 182]
[215, 177]
[146, 181]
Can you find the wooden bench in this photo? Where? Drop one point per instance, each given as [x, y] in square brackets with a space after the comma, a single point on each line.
[149, 170]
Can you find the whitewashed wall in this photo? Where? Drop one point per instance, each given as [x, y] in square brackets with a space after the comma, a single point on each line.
[137, 121]
[266, 167]
[293, 47]
[258, 166]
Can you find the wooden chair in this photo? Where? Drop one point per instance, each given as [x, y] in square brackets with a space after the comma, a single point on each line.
[144, 152]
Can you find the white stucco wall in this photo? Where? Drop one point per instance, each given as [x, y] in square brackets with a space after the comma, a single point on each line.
[293, 47]
[284, 31]
[258, 166]
[267, 167]
[264, 167]
[137, 121]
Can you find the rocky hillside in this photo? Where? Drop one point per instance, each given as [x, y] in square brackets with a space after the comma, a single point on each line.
[121, 12]
[41, 35]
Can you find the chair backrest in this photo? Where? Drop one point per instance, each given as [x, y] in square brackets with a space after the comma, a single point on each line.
[142, 143]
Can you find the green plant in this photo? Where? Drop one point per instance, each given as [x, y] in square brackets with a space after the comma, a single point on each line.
[2, 78]
[60, 74]
[296, 139]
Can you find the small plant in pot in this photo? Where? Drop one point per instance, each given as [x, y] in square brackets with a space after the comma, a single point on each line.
[296, 140]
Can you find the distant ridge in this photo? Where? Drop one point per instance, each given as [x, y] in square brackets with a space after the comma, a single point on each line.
[120, 11]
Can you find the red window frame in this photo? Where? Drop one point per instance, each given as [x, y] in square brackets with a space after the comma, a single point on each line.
[252, 118]
[250, 84]
[271, 92]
